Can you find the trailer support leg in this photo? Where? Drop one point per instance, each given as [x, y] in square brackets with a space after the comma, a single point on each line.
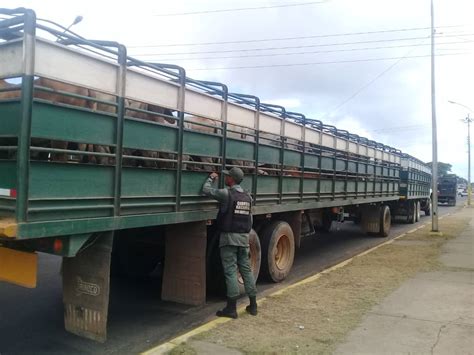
[184, 278]
[86, 288]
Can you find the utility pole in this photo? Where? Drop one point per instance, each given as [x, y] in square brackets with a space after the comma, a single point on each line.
[434, 186]
[468, 120]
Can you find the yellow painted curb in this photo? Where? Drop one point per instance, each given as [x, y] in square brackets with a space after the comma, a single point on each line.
[168, 346]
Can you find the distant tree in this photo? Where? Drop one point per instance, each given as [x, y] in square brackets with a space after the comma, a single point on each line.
[462, 181]
[443, 168]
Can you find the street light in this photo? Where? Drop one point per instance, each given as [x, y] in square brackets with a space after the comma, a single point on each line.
[467, 120]
[75, 22]
[60, 37]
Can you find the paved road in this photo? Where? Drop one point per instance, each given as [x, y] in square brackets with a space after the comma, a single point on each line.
[31, 321]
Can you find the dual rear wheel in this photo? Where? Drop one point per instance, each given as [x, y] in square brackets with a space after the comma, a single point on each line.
[271, 255]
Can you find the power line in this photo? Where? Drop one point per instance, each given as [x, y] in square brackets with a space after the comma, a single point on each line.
[362, 88]
[241, 9]
[291, 38]
[309, 52]
[301, 46]
[409, 128]
[329, 62]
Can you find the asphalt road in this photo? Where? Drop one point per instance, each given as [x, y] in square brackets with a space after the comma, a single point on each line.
[31, 321]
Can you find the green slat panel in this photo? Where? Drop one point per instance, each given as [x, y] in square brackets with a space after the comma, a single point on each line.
[291, 185]
[370, 169]
[148, 182]
[361, 168]
[310, 186]
[9, 118]
[378, 171]
[327, 163]
[352, 167]
[195, 143]
[240, 150]
[311, 161]
[378, 187]
[385, 172]
[267, 184]
[340, 165]
[291, 158]
[370, 186]
[7, 174]
[192, 181]
[247, 183]
[360, 186]
[351, 186]
[51, 180]
[340, 186]
[7, 206]
[268, 155]
[143, 135]
[326, 186]
[69, 124]
[68, 214]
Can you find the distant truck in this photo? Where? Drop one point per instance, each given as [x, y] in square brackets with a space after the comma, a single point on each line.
[447, 189]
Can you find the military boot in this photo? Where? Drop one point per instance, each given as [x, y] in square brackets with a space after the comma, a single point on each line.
[252, 307]
[229, 311]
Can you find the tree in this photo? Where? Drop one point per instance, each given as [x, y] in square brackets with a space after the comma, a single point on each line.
[462, 181]
[443, 168]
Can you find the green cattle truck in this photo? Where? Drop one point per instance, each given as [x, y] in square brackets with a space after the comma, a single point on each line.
[102, 159]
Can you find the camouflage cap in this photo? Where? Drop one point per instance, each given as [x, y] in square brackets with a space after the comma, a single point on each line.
[236, 173]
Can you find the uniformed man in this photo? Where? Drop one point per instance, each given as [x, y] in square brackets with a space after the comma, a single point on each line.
[234, 222]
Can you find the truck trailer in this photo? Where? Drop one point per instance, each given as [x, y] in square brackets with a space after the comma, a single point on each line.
[102, 159]
[447, 189]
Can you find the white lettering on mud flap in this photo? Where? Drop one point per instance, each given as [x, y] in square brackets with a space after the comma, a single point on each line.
[87, 288]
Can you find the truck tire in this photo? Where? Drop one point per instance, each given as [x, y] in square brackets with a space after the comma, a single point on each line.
[278, 251]
[385, 222]
[326, 222]
[255, 259]
[135, 258]
[427, 208]
[418, 211]
[411, 212]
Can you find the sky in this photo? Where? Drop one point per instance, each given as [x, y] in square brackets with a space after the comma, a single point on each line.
[361, 65]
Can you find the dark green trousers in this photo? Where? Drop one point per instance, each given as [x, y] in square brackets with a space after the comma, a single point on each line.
[235, 259]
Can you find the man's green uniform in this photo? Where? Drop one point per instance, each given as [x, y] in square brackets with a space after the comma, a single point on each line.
[234, 248]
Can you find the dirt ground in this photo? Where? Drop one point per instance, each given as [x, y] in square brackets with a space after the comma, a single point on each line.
[316, 316]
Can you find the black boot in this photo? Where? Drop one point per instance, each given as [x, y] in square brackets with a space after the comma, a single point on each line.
[229, 311]
[252, 307]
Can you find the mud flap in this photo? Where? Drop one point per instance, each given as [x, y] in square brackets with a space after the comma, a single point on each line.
[86, 288]
[184, 278]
